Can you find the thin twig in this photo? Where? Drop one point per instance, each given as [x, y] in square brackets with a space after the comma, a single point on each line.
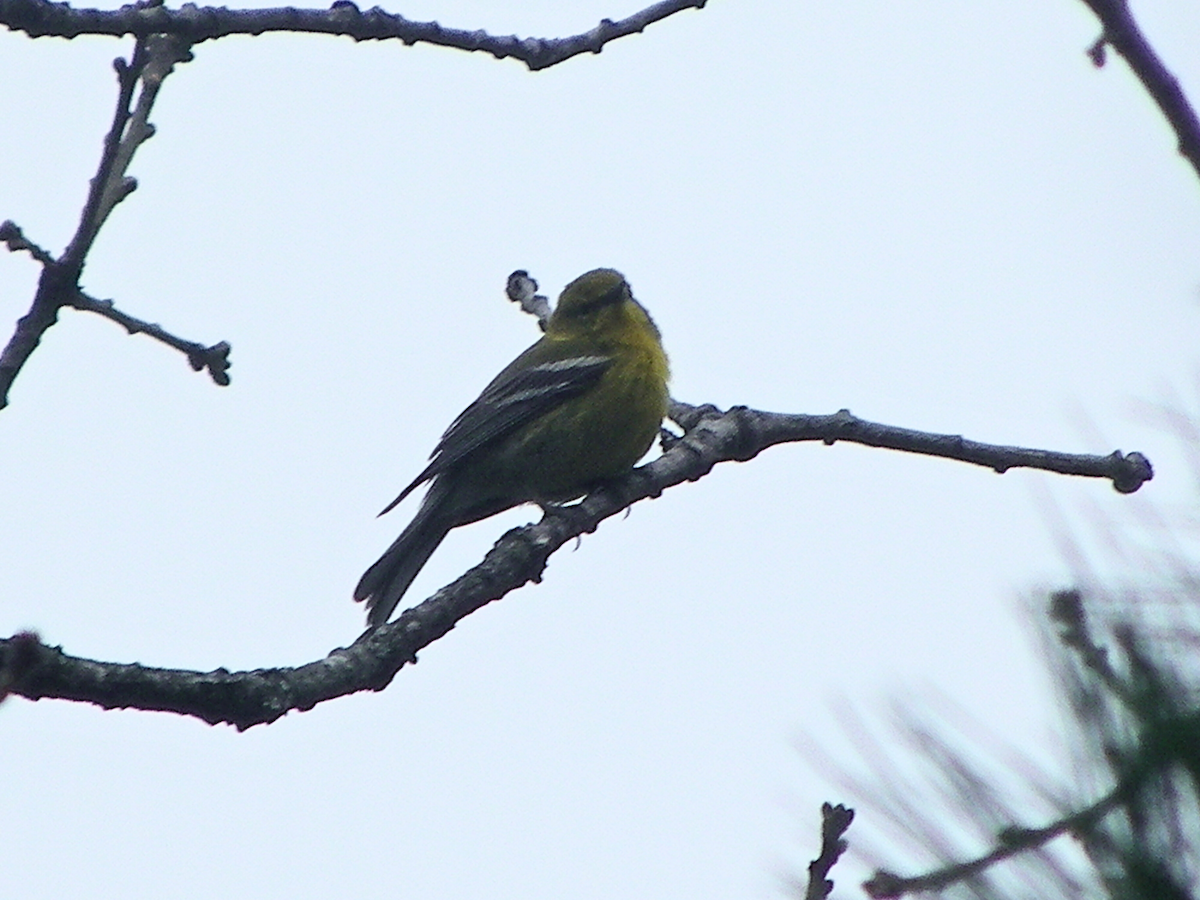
[1121, 31]
[748, 432]
[1014, 840]
[12, 235]
[522, 290]
[60, 278]
[163, 53]
[102, 187]
[39, 18]
[835, 820]
[213, 359]
[153, 59]
[1067, 611]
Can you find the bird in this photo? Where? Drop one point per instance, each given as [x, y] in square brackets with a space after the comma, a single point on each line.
[578, 408]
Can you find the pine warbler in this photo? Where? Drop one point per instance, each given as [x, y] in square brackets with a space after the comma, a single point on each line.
[579, 407]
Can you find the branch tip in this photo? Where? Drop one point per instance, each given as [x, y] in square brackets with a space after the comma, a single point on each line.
[1131, 471]
[522, 290]
[17, 658]
[884, 885]
[835, 820]
[215, 359]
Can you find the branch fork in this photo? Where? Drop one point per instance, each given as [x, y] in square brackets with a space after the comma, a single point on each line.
[154, 58]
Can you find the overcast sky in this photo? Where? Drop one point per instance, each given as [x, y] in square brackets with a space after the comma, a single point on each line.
[938, 215]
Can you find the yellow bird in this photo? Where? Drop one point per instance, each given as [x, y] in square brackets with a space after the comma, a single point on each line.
[578, 408]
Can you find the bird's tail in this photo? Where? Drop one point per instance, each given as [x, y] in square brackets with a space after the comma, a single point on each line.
[385, 582]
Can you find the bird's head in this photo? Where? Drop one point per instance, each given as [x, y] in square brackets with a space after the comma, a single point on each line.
[591, 292]
[599, 306]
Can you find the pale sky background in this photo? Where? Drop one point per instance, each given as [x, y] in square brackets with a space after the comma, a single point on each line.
[939, 215]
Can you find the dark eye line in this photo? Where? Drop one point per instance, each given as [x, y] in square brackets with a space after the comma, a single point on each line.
[609, 298]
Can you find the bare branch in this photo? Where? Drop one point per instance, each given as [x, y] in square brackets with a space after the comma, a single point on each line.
[17, 655]
[1067, 611]
[108, 181]
[14, 238]
[834, 822]
[522, 290]
[1122, 33]
[193, 24]
[60, 278]
[746, 432]
[1014, 840]
[257, 697]
[43, 313]
[214, 359]
[153, 59]
[162, 52]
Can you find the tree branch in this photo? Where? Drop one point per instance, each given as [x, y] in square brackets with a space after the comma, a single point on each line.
[108, 186]
[834, 822]
[710, 436]
[60, 278]
[214, 359]
[746, 432]
[153, 59]
[14, 238]
[884, 884]
[1122, 32]
[193, 24]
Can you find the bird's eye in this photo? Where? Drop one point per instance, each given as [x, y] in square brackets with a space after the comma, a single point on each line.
[614, 295]
[611, 297]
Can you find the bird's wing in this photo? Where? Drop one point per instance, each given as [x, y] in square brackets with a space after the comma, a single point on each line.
[529, 387]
